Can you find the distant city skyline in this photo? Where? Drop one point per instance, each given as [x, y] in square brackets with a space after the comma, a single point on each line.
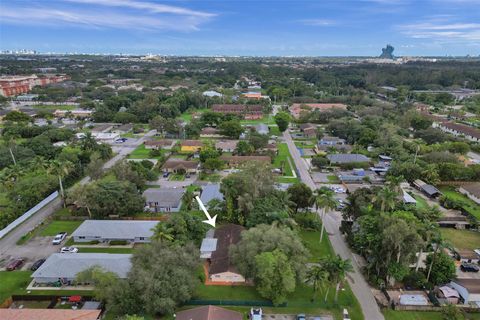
[243, 28]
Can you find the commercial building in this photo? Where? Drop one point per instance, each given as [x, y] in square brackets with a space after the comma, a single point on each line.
[16, 85]
[249, 112]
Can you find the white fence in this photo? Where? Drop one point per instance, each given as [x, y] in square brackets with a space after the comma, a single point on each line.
[28, 214]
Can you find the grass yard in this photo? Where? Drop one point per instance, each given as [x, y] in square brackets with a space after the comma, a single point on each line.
[418, 315]
[12, 281]
[281, 159]
[57, 226]
[227, 293]
[54, 107]
[467, 204]
[211, 177]
[274, 130]
[141, 153]
[311, 240]
[421, 202]
[105, 250]
[287, 180]
[462, 239]
[267, 119]
[187, 116]
[333, 179]
[176, 177]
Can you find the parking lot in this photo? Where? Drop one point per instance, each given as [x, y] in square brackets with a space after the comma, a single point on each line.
[293, 317]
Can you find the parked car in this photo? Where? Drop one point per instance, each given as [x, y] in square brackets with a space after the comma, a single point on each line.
[166, 174]
[187, 176]
[256, 314]
[69, 250]
[15, 264]
[59, 238]
[469, 267]
[121, 140]
[301, 316]
[37, 264]
[346, 316]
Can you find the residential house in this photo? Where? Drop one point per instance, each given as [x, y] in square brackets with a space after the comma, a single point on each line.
[328, 142]
[309, 130]
[123, 129]
[180, 166]
[163, 199]
[49, 314]
[191, 145]
[470, 133]
[407, 198]
[234, 161]
[65, 267]
[465, 255]
[472, 191]
[261, 128]
[210, 132]
[426, 188]
[211, 192]
[249, 112]
[220, 268]
[114, 230]
[208, 313]
[297, 108]
[76, 113]
[343, 158]
[226, 145]
[105, 137]
[211, 94]
[160, 144]
[106, 127]
[469, 290]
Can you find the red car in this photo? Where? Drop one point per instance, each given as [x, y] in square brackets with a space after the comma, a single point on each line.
[15, 264]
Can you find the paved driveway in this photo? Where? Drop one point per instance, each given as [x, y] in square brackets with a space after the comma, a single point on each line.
[36, 248]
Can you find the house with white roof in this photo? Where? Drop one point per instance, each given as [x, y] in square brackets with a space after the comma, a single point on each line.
[64, 267]
[114, 230]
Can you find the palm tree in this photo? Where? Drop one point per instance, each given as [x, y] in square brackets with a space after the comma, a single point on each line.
[440, 244]
[88, 142]
[162, 233]
[317, 276]
[394, 182]
[187, 198]
[60, 169]
[79, 196]
[338, 269]
[39, 162]
[387, 199]
[325, 200]
[10, 175]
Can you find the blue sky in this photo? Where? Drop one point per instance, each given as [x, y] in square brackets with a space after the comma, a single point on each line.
[248, 27]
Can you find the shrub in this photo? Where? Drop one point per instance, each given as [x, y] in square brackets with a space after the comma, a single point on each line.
[118, 242]
[308, 220]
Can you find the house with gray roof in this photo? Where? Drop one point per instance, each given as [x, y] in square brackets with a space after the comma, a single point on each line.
[426, 188]
[116, 230]
[163, 199]
[261, 128]
[64, 267]
[210, 192]
[342, 158]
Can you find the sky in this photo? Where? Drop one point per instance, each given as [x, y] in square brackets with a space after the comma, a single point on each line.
[243, 28]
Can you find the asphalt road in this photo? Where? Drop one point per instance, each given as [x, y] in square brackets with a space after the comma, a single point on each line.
[359, 286]
[8, 246]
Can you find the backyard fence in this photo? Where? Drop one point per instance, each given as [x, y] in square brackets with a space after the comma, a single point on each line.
[246, 303]
[28, 214]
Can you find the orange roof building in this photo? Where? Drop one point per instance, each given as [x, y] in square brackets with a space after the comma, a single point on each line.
[49, 314]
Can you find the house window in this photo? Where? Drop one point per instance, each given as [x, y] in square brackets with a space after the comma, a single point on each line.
[141, 238]
[81, 237]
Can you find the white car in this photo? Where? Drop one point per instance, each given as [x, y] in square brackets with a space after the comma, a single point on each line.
[69, 250]
[59, 238]
[256, 313]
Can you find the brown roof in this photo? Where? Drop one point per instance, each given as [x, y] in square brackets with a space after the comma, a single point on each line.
[462, 129]
[226, 235]
[236, 108]
[179, 164]
[473, 188]
[48, 314]
[241, 159]
[192, 143]
[209, 130]
[310, 130]
[472, 285]
[467, 254]
[161, 143]
[208, 313]
[304, 126]
[226, 144]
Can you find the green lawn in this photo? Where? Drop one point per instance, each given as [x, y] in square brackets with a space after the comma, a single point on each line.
[333, 179]
[227, 293]
[468, 205]
[462, 239]
[212, 177]
[176, 177]
[311, 240]
[57, 226]
[274, 130]
[281, 159]
[418, 315]
[421, 202]
[54, 107]
[287, 180]
[105, 250]
[141, 153]
[267, 119]
[12, 281]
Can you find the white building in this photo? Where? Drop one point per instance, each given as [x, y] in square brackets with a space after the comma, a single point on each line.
[114, 230]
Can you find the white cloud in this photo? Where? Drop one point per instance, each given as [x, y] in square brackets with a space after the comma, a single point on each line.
[145, 16]
[148, 6]
[318, 22]
[444, 29]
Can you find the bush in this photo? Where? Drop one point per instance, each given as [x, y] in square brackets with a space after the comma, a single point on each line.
[118, 242]
[415, 280]
[308, 220]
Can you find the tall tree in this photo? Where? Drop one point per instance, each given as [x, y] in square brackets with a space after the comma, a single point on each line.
[386, 198]
[325, 199]
[300, 195]
[338, 269]
[60, 169]
[282, 119]
[317, 276]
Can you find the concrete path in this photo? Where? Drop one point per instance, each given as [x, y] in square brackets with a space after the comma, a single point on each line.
[359, 286]
[8, 244]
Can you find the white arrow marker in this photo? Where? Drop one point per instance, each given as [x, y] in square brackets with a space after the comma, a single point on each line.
[210, 221]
